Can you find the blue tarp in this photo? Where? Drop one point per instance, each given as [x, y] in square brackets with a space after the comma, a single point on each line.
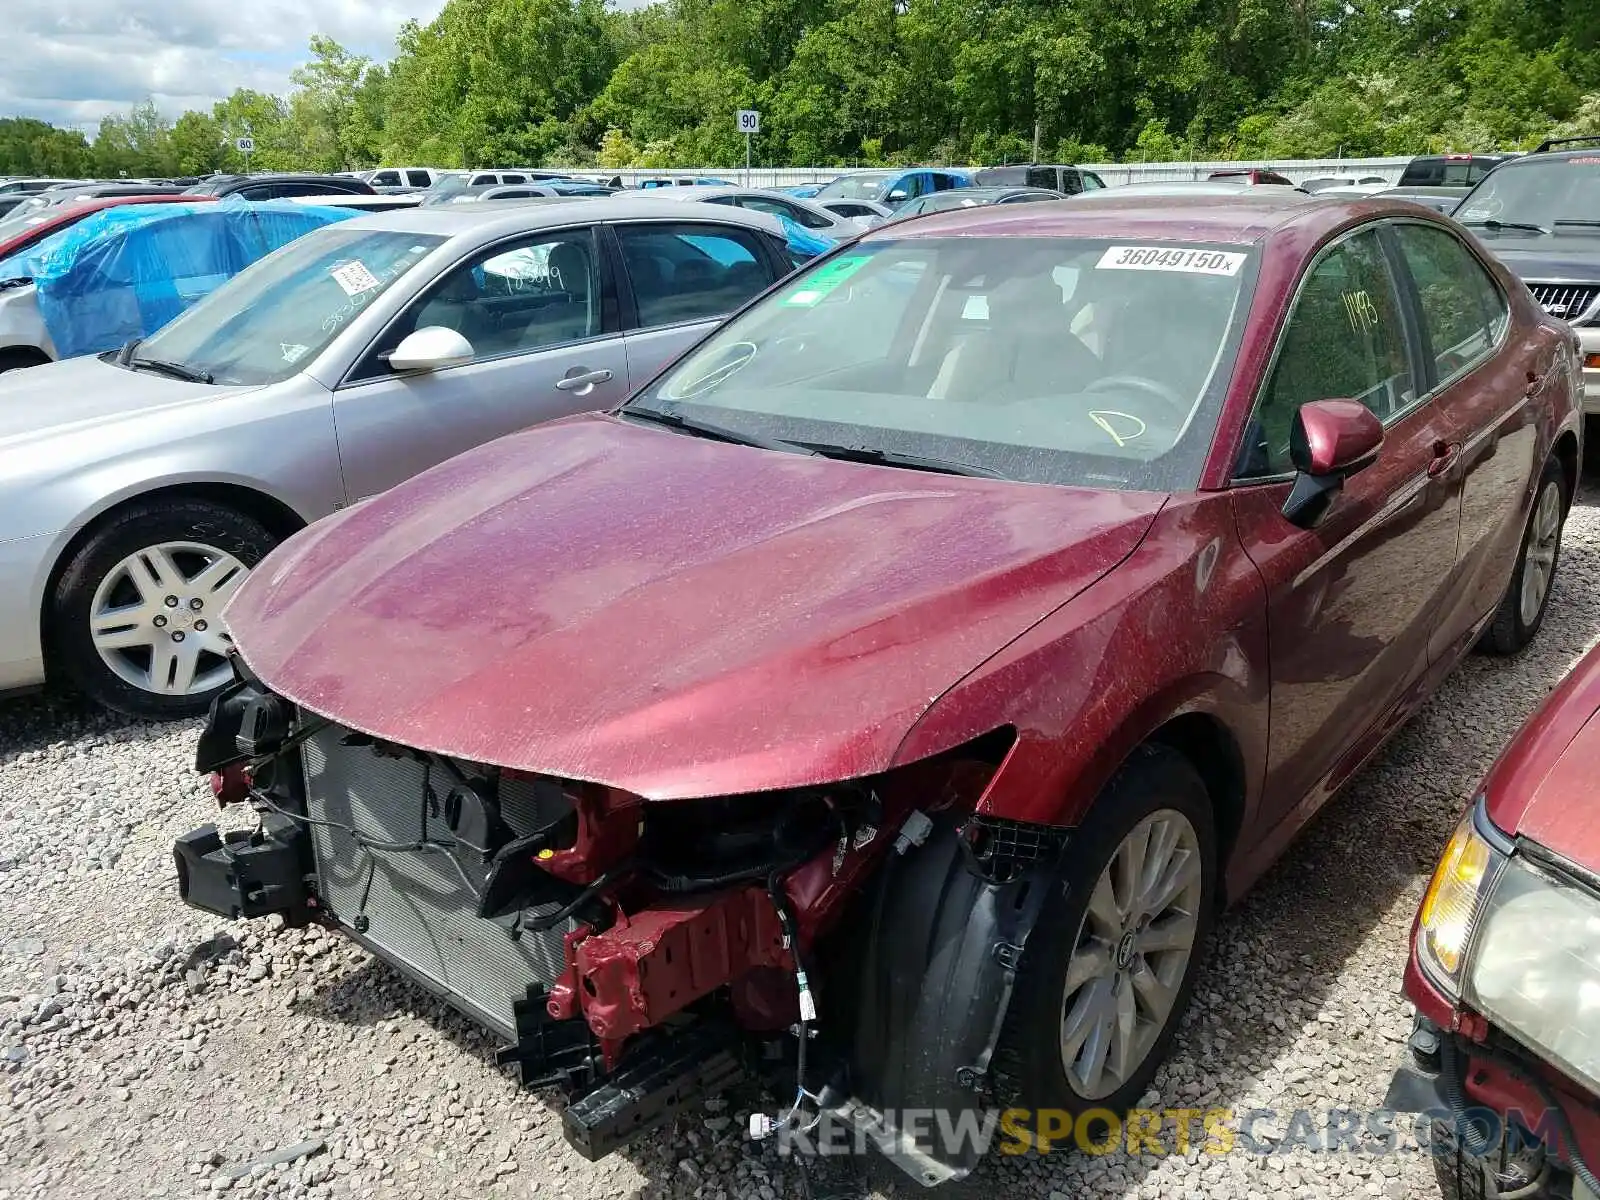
[125, 272]
[805, 243]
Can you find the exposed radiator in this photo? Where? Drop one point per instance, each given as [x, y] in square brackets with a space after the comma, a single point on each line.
[420, 906]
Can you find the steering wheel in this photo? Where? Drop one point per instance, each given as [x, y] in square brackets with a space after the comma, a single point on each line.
[1141, 383]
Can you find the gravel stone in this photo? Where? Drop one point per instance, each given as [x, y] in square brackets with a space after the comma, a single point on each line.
[144, 1040]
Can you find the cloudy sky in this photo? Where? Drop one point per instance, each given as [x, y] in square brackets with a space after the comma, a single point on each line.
[73, 61]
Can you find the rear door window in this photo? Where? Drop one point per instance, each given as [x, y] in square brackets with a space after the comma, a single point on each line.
[1463, 312]
[511, 177]
[687, 272]
[1043, 177]
[419, 179]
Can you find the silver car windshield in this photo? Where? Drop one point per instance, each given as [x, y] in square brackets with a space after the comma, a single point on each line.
[273, 318]
[1052, 360]
[864, 186]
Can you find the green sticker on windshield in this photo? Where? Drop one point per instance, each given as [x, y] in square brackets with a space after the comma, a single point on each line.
[825, 279]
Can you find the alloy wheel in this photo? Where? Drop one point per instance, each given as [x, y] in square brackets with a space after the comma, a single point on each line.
[1132, 953]
[1539, 552]
[155, 618]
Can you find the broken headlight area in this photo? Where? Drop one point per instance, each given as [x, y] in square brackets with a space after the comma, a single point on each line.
[635, 953]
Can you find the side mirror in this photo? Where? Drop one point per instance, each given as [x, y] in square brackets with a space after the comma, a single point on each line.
[431, 349]
[1329, 441]
[898, 196]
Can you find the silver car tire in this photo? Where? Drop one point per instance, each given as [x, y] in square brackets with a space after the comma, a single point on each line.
[135, 620]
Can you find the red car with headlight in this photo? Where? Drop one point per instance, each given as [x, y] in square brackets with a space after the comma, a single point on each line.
[916, 665]
[1505, 967]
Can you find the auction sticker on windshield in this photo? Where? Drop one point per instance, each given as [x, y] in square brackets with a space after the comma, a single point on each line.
[1170, 258]
[825, 279]
[354, 278]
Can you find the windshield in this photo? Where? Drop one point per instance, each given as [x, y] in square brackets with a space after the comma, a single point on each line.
[278, 314]
[1545, 192]
[1052, 360]
[865, 186]
[21, 222]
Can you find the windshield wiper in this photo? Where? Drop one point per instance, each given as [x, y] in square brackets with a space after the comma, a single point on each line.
[176, 370]
[1564, 221]
[896, 458]
[1491, 223]
[719, 433]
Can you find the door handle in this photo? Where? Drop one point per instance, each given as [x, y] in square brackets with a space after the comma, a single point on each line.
[582, 380]
[1444, 453]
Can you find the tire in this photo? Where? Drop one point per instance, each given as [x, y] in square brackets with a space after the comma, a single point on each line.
[1156, 783]
[171, 565]
[1513, 627]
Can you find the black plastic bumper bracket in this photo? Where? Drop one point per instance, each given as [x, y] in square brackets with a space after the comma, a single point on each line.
[243, 873]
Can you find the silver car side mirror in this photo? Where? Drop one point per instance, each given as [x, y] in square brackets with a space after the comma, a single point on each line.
[431, 349]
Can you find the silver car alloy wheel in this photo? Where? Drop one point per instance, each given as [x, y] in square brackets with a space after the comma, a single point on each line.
[1132, 952]
[1539, 552]
[155, 619]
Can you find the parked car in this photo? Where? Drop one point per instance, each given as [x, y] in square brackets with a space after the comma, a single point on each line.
[973, 197]
[280, 187]
[124, 272]
[1344, 183]
[866, 213]
[456, 183]
[893, 188]
[553, 188]
[1450, 170]
[1505, 962]
[387, 202]
[28, 187]
[329, 371]
[1067, 179]
[1445, 200]
[1238, 188]
[1539, 214]
[1253, 175]
[402, 179]
[78, 192]
[921, 660]
[802, 212]
[18, 234]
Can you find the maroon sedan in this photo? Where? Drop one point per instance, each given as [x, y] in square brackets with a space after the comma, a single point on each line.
[919, 662]
[1505, 967]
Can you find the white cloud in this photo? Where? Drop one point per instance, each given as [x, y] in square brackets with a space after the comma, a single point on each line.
[73, 61]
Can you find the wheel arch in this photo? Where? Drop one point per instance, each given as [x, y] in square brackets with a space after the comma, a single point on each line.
[1565, 451]
[280, 519]
[1211, 749]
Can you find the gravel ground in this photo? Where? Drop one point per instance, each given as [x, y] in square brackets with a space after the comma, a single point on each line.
[151, 1051]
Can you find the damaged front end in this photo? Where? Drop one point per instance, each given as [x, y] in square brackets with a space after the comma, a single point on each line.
[640, 954]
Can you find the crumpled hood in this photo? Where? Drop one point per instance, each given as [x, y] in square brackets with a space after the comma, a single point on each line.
[669, 615]
[57, 398]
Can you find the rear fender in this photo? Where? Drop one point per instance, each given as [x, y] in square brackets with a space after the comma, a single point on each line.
[940, 956]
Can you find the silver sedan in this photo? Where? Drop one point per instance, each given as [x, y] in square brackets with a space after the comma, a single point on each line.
[805, 213]
[138, 488]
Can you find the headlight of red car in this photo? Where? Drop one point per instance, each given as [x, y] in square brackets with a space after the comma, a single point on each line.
[1534, 969]
[1451, 905]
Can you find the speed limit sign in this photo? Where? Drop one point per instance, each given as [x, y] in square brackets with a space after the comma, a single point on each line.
[244, 144]
[749, 121]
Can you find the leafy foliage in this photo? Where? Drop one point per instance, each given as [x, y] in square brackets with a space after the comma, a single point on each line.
[571, 82]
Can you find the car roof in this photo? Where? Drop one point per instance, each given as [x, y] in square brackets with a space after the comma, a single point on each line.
[1244, 218]
[501, 218]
